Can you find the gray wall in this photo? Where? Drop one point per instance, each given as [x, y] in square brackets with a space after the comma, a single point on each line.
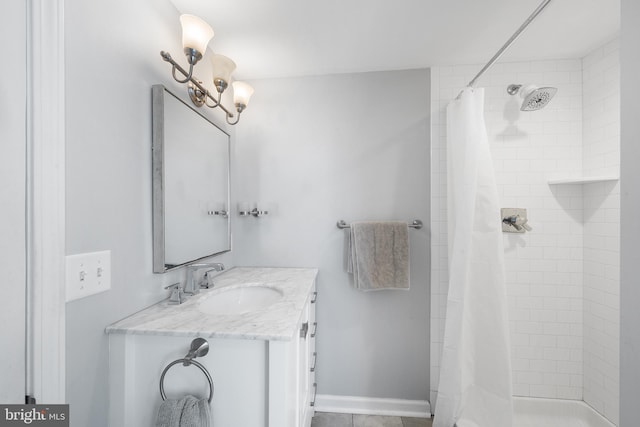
[112, 60]
[630, 209]
[315, 150]
[108, 192]
[12, 199]
[319, 161]
[336, 153]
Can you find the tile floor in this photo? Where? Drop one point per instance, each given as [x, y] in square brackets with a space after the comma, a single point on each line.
[327, 419]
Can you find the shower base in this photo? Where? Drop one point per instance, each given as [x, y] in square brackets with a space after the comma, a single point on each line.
[535, 412]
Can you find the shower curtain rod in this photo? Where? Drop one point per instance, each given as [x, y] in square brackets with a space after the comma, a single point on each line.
[510, 41]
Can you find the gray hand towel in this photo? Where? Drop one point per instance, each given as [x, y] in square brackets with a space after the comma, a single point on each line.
[186, 412]
[379, 255]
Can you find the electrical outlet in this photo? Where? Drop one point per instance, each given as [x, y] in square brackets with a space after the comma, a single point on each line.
[88, 274]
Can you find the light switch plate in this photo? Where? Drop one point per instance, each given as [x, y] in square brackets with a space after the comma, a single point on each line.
[88, 274]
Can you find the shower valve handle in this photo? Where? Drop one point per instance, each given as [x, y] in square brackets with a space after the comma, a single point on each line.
[517, 222]
[522, 222]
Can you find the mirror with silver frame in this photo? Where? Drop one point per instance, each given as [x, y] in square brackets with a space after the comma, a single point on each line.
[190, 184]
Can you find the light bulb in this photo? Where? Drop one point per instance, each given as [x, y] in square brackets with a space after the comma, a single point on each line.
[196, 35]
[222, 69]
[241, 94]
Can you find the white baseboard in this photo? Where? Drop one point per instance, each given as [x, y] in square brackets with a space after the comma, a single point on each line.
[373, 406]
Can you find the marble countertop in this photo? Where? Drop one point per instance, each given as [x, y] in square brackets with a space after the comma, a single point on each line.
[278, 321]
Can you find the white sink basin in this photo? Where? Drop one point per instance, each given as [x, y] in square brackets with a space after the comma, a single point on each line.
[239, 300]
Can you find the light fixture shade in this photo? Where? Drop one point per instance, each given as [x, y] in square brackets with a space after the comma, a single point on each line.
[196, 33]
[241, 93]
[222, 67]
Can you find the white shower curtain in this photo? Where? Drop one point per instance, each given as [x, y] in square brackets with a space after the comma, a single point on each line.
[475, 372]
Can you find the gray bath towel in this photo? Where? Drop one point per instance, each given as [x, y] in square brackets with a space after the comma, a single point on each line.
[186, 412]
[379, 255]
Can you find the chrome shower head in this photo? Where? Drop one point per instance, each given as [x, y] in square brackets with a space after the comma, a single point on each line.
[534, 97]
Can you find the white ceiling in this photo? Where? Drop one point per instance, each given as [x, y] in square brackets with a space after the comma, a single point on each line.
[282, 38]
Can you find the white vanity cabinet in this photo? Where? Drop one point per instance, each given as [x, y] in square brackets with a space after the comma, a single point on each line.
[311, 385]
[263, 373]
[291, 379]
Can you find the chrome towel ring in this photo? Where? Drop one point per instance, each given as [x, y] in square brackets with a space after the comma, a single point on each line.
[199, 347]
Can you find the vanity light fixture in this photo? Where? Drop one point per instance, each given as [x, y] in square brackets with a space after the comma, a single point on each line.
[196, 35]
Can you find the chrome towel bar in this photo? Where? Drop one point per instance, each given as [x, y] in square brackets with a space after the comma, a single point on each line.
[416, 223]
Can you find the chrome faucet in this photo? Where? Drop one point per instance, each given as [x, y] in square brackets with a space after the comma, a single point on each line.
[192, 287]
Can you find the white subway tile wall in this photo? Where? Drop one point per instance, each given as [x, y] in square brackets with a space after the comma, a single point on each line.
[544, 268]
[601, 156]
[547, 269]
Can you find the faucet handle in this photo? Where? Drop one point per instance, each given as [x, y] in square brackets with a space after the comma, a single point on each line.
[177, 293]
[207, 280]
